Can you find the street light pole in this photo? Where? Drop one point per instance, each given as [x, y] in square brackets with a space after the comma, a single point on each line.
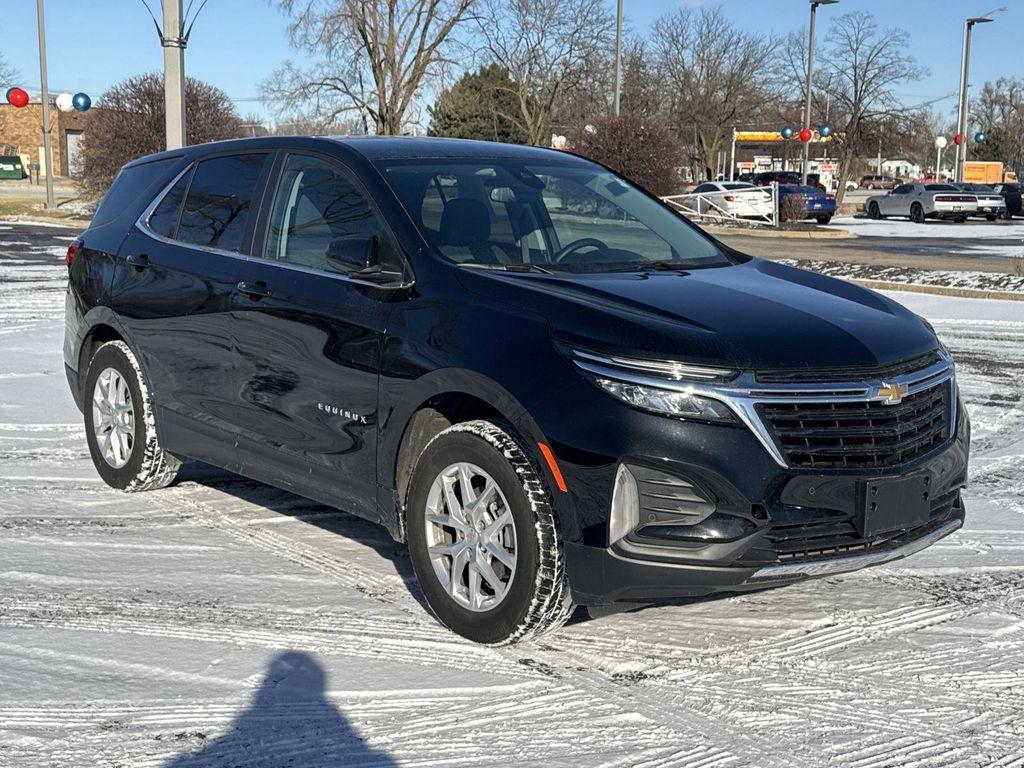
[45, 97]
[173, 41]
[961, 113]
[618, 60]
[810, 73]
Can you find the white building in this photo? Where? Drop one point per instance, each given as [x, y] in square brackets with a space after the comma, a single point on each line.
[899, 168]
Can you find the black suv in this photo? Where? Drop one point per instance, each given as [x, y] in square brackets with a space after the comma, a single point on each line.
[557, 391]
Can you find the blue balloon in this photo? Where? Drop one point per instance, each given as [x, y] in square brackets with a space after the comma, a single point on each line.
[787, 132]
[825, 131]
[979, 138]
[81, 101]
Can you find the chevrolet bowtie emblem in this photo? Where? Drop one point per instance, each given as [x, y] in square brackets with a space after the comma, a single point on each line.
[891, 394]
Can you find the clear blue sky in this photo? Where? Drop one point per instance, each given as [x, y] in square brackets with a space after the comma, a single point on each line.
[237, 43]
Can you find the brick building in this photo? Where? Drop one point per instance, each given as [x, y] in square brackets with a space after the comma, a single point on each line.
[22, 130]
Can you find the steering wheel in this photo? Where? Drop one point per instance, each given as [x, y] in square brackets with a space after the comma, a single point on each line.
[575, 245]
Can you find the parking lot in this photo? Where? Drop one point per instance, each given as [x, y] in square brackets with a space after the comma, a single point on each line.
[223, 622]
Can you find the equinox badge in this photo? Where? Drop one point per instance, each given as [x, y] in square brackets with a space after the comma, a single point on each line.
[892, 394]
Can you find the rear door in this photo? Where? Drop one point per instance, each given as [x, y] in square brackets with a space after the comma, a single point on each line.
[309, 334]
[177, 273]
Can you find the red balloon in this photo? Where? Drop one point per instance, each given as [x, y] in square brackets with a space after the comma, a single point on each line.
[805, 134]
[17, 97]
[958, 139]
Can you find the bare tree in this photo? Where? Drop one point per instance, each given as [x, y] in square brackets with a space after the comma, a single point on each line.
[8, 74]
[548, 48]
[370, 57]
[717, 75]
[999, 113]
[861, 68]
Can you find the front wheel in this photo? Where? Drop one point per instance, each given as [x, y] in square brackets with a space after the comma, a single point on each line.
[119, 424]
[874, 211]
[483, 538]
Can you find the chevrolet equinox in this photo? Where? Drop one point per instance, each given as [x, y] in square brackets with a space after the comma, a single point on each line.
[553, 388]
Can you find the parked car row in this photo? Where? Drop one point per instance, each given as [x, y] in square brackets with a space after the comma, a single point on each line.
[957, 202]
[746, 200]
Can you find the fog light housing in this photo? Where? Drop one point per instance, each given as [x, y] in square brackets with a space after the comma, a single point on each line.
[644, 497]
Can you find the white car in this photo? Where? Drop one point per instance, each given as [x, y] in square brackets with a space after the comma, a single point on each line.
[920, 201]
[732, 198]
[991, 204]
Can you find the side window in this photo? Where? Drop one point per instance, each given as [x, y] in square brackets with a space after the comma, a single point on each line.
[903, 190]
[705, 188]
[219, 201]
[164, 219]
[319, 213]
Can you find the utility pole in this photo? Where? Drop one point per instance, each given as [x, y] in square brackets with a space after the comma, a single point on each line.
[173, 40]
[961, 114]
[45, 97]
[810, 73]
[618, 60]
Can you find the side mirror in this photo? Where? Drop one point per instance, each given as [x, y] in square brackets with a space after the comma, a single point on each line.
[354, 255]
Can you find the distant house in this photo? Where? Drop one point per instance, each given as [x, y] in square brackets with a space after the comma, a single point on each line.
[21, 133]
[899, 168]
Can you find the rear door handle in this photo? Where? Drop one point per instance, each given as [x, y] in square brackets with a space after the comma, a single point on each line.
[256, 290]
[138, 260]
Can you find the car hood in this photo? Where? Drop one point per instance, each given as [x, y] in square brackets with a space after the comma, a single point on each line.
[754, 315]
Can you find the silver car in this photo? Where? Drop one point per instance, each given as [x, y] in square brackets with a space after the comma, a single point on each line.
[991, 204]
[920, 201]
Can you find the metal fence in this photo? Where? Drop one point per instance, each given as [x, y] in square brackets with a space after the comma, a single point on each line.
[712, 207]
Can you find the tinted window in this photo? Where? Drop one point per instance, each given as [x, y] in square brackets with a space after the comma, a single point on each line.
[905, 189]
[941, 188]
[219, 201]
[129, 190]
[164, 220]
[317, 207]
[706, 188]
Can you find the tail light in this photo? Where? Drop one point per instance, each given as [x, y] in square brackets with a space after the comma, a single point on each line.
[830, 197]
[729, 198]
[73, 249]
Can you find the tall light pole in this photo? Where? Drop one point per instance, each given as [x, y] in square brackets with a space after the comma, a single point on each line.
[810, 73]
[174, 40]
[961, 113]
[618, 60]
[45, 97]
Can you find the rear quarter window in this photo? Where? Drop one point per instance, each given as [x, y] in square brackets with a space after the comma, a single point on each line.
[132, 190]
[219, 201]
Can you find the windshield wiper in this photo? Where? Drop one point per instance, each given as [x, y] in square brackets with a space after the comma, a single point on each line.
[527, 268]
[667, 266]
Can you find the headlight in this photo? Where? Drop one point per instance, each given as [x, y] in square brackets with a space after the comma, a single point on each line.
[668, 402]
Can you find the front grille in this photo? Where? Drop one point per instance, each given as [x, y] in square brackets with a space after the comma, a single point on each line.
[807, 541]
[859, 434]
[814, 375]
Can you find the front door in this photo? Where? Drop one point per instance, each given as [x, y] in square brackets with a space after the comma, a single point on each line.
[309, 332]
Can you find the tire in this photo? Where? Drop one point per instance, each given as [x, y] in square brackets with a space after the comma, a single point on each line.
[534, 592]
[136, 461]
[917, 213]
[991, 217]
[960, 219]
[870, 187]
[874, 212]
[824, 219]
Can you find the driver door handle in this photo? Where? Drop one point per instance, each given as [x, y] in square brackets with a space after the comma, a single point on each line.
[256, 290]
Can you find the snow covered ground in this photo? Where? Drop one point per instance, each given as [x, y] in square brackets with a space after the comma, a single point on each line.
[221, 622]
[972, 229]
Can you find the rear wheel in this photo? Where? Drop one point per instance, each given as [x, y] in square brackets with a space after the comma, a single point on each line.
[824, 219]
[960, 219]
[917, 213]
[991, 217]
[119, 424]
[483, 538]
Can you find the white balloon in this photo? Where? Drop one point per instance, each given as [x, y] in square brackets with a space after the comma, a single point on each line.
[65, 102]
[940, 142]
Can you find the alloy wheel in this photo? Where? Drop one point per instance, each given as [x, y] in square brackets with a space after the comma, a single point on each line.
[471, 536]
[113, 417]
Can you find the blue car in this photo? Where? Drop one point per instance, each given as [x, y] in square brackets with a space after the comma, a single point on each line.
[817, 204]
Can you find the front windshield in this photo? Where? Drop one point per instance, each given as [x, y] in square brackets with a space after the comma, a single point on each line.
[549, 216]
